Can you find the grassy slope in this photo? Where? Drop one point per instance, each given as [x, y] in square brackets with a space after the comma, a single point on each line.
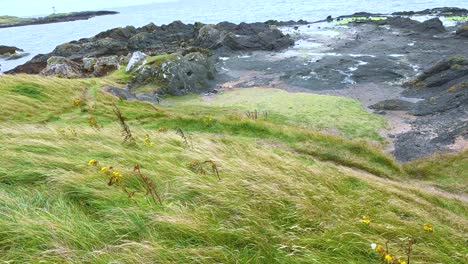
[283, 197]
[310, 111]
[12, 19]
[449, 171]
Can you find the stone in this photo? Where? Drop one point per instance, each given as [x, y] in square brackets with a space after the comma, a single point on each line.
[62, 67]
[136, 61]
[463, 31]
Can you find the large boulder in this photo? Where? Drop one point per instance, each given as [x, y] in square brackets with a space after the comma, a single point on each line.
[8, 50]
[191, 73]
[244, 37]
[12, 53]
[97, 48]
[463, 31]
[136, 61]
[62, 67]
[210, 37]
[442, 73]
[431, 26]
[178, 75]
[105, 65]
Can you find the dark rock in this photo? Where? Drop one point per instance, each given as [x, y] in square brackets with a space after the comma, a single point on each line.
[401, 22]
[191, 73]
[431, 26]
[453, 11]
[62, 67]
[8, 50]
[442, 73]
[105, 65]
[170, 38]
[393, 105]
[463, 31]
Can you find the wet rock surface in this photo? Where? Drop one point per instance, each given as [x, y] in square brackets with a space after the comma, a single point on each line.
[374, 62]
[11, 53]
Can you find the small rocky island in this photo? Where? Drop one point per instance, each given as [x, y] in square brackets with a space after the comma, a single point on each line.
[11, 21]
[410, 67]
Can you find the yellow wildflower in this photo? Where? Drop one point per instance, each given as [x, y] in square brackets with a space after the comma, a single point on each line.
[388, 258]
[428, 228]
[92, 162]
[366, 220]
[76, 102]
[400, 261]
[104, 169]
[379, 249]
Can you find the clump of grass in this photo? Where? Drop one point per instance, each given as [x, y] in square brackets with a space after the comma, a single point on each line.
[255, 114]
[126, 133]
[200, 167]
[447, 171]
[148, 185]
[184, 137]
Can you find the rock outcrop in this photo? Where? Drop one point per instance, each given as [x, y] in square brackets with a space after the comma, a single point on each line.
[442, 114]
[62, 67]
[11, 53]
[178, 75]
[171, 38]
[463, 31]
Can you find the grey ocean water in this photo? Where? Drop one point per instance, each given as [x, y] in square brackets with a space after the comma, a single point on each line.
[44, 38]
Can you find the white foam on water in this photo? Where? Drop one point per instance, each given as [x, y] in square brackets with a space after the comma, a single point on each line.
[361, 55]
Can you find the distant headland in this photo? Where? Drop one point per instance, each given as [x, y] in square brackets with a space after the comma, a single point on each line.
[12, 21]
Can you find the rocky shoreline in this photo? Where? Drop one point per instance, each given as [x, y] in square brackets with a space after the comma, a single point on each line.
[59, 18]
[411, 67]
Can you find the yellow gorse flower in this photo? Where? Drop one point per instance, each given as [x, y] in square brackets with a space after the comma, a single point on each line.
[388, 258]
[379, 249]
[400, 261]
[148, 141]
[104, 169]
[366, 220]
[92, 162]
[428, 228]
[76, 102]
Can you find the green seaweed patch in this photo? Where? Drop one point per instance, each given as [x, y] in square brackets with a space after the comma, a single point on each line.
[349, 20]
[457, 18]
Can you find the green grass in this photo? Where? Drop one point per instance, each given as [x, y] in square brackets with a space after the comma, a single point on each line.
[449, 171]
[336, 114]
[121, 76]
[160, 59]
[287, 194]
